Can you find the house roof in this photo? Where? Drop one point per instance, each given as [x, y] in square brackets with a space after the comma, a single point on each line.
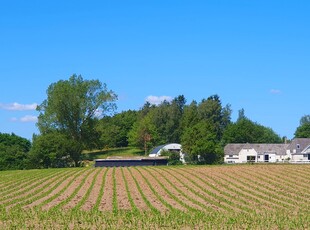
[279, 149]
[302, 142]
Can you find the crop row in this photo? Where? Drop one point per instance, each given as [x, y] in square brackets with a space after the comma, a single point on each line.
[185, 192]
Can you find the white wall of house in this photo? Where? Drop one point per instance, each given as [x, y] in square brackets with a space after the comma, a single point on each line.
[244, 154]
[268, 157]
[231, 159]
[299, 157]
[250, 155]
[281, 158]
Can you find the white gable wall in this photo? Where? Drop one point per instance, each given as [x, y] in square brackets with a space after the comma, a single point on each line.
[245, 153]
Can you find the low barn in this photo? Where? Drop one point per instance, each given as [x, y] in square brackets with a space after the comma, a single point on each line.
[127, 162]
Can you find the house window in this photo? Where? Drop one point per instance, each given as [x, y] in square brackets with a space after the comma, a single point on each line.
[298, 146]
[251, 158]
[231, 155]
[305, 155]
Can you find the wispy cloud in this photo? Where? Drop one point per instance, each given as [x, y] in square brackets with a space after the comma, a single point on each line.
[156, 100]
[18, 107]
[98, 113]
[25, 119]
[275, 91]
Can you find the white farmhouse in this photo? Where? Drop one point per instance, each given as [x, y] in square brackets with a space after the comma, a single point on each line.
[298, 151]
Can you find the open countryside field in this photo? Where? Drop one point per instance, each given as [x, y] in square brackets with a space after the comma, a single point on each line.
[192, 197]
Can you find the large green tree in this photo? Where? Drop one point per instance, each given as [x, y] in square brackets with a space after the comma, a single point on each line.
[53, 149]
[203, 125]
[13, 151]
[72, 107]
[144, 134]
[157, 125]
[303, 130]
[114, 129]
[246, 131]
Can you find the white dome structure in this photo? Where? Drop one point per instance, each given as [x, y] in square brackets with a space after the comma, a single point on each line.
[173, 147]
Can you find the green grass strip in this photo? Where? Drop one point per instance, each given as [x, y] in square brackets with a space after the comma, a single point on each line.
[114, 202]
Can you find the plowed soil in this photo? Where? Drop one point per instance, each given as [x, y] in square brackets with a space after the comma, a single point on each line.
[211, 189]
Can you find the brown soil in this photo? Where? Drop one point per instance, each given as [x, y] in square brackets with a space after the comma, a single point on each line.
[67, 192]
[223, 195]
[135, 194]
[161, 191]
[221, 188]
[51, 183]
[29, 191]
[107, 198]
[183, 198]
[81, 193]
[148, 192]
[55, 191]
[254, 198]
[122, 197]
[92, 199]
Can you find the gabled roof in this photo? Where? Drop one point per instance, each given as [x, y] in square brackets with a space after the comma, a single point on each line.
[302, 142]
[279, 149]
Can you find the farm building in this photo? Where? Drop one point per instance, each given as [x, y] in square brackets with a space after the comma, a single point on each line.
[134, 161]
[298, 151]
[173, 147]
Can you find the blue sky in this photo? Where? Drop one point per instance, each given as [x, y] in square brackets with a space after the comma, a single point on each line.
[254, 54]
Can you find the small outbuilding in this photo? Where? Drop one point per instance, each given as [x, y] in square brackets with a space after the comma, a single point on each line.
[172, 147]
[128, 162]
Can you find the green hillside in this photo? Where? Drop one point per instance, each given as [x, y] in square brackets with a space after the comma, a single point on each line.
[114, 152]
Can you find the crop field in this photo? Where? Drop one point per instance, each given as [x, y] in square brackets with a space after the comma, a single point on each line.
[184, 197]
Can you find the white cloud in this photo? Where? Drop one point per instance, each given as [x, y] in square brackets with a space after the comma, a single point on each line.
[275, 91]
[27, 118]
[14, 119]
[156, 100]
[18, 107]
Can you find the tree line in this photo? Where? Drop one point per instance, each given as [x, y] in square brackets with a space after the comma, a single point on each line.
[80, 115]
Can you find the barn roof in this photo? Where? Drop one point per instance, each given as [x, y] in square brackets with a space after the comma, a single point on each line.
[279, 149]
[302, 142]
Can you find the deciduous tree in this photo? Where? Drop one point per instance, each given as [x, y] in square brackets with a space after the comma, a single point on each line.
[71, 108]
[303, 131]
